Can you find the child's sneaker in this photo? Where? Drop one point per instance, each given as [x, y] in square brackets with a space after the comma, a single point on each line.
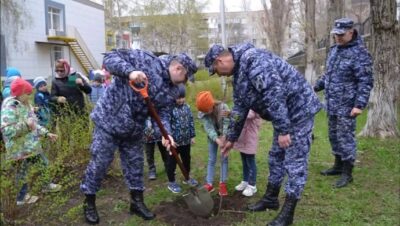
[223, 191]
[152, 175]
[249, 191]
[28, 200]
[191, 182]
[241, 186]
[52, 188]
[174, 187]
[209, 187]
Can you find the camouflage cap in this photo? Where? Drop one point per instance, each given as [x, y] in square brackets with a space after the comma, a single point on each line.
[183, 59]
[211, 55]
[342, 25]
[188, 63]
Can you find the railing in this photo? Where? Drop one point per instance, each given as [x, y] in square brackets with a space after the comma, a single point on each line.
[74, 33]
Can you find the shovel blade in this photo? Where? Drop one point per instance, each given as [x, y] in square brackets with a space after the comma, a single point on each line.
[199, 201]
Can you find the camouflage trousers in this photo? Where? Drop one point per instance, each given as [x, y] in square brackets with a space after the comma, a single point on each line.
[342, 137]
[292, 161]
[102, 150]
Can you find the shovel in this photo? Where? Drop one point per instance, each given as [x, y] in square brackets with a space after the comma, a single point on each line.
[198, 199]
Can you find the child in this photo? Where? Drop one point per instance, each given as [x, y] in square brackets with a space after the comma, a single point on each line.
[247, 144]
[212, 114]
[153, 137]
[182, 127]
[20, 133]
[98, 87]
[42, 98]
[11, 74]
[107, 78]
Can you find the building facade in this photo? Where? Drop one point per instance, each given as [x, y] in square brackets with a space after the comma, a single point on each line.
[69, 29]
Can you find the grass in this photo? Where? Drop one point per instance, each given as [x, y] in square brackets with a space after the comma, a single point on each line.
[372, 199]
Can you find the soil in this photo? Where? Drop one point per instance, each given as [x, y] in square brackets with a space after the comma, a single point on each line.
[177, 213]
[174, 212]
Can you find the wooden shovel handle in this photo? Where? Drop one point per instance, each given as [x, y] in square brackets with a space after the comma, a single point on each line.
[164, 133]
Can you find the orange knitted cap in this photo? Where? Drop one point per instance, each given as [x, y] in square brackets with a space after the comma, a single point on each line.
[204, 101]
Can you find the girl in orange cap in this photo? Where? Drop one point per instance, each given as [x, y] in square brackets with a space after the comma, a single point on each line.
[212, 113]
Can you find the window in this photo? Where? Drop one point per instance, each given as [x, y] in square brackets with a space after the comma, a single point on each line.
[58, 53]
[55, 18]
[254, 41]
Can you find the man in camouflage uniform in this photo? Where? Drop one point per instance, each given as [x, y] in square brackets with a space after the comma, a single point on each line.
[119, 119]
[274, 89]
[347, 82]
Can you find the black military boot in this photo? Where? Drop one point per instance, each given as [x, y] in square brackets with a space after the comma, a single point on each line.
[346, 176]
[285, 217]
[336, 168]
[90, 211]
[268, 201]
[138, 207]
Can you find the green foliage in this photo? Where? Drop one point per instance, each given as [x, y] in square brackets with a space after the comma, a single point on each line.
[67, 156]
[372, 199]
[201, 75]
[73, 213]
[120, 206]
[212, 84]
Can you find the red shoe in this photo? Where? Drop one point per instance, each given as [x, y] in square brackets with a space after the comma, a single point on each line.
[223, 191]
[209, 187]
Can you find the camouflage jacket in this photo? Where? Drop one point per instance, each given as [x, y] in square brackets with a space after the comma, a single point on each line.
[348, 79]
[122, 111]
[20, 141]
[182, 124]
[271, 87]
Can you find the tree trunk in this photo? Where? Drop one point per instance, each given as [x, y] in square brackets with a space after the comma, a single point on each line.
[335, 11]
[382, 114]
[276, 22]
[310, 41]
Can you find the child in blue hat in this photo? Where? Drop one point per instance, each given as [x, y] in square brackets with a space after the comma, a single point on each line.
[42, 98]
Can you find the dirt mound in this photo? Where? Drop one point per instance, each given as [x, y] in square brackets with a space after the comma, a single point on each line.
[177, 213]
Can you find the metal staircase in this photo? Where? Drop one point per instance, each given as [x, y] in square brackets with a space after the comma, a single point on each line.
[79, 48]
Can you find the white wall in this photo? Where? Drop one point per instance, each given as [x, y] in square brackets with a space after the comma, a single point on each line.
[27, 57]
[90, 23]
[34, 59]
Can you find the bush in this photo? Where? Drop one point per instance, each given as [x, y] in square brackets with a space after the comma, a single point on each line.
[201, 75]
[67, 158]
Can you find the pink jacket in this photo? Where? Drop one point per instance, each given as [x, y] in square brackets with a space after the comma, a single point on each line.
[248, 139]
